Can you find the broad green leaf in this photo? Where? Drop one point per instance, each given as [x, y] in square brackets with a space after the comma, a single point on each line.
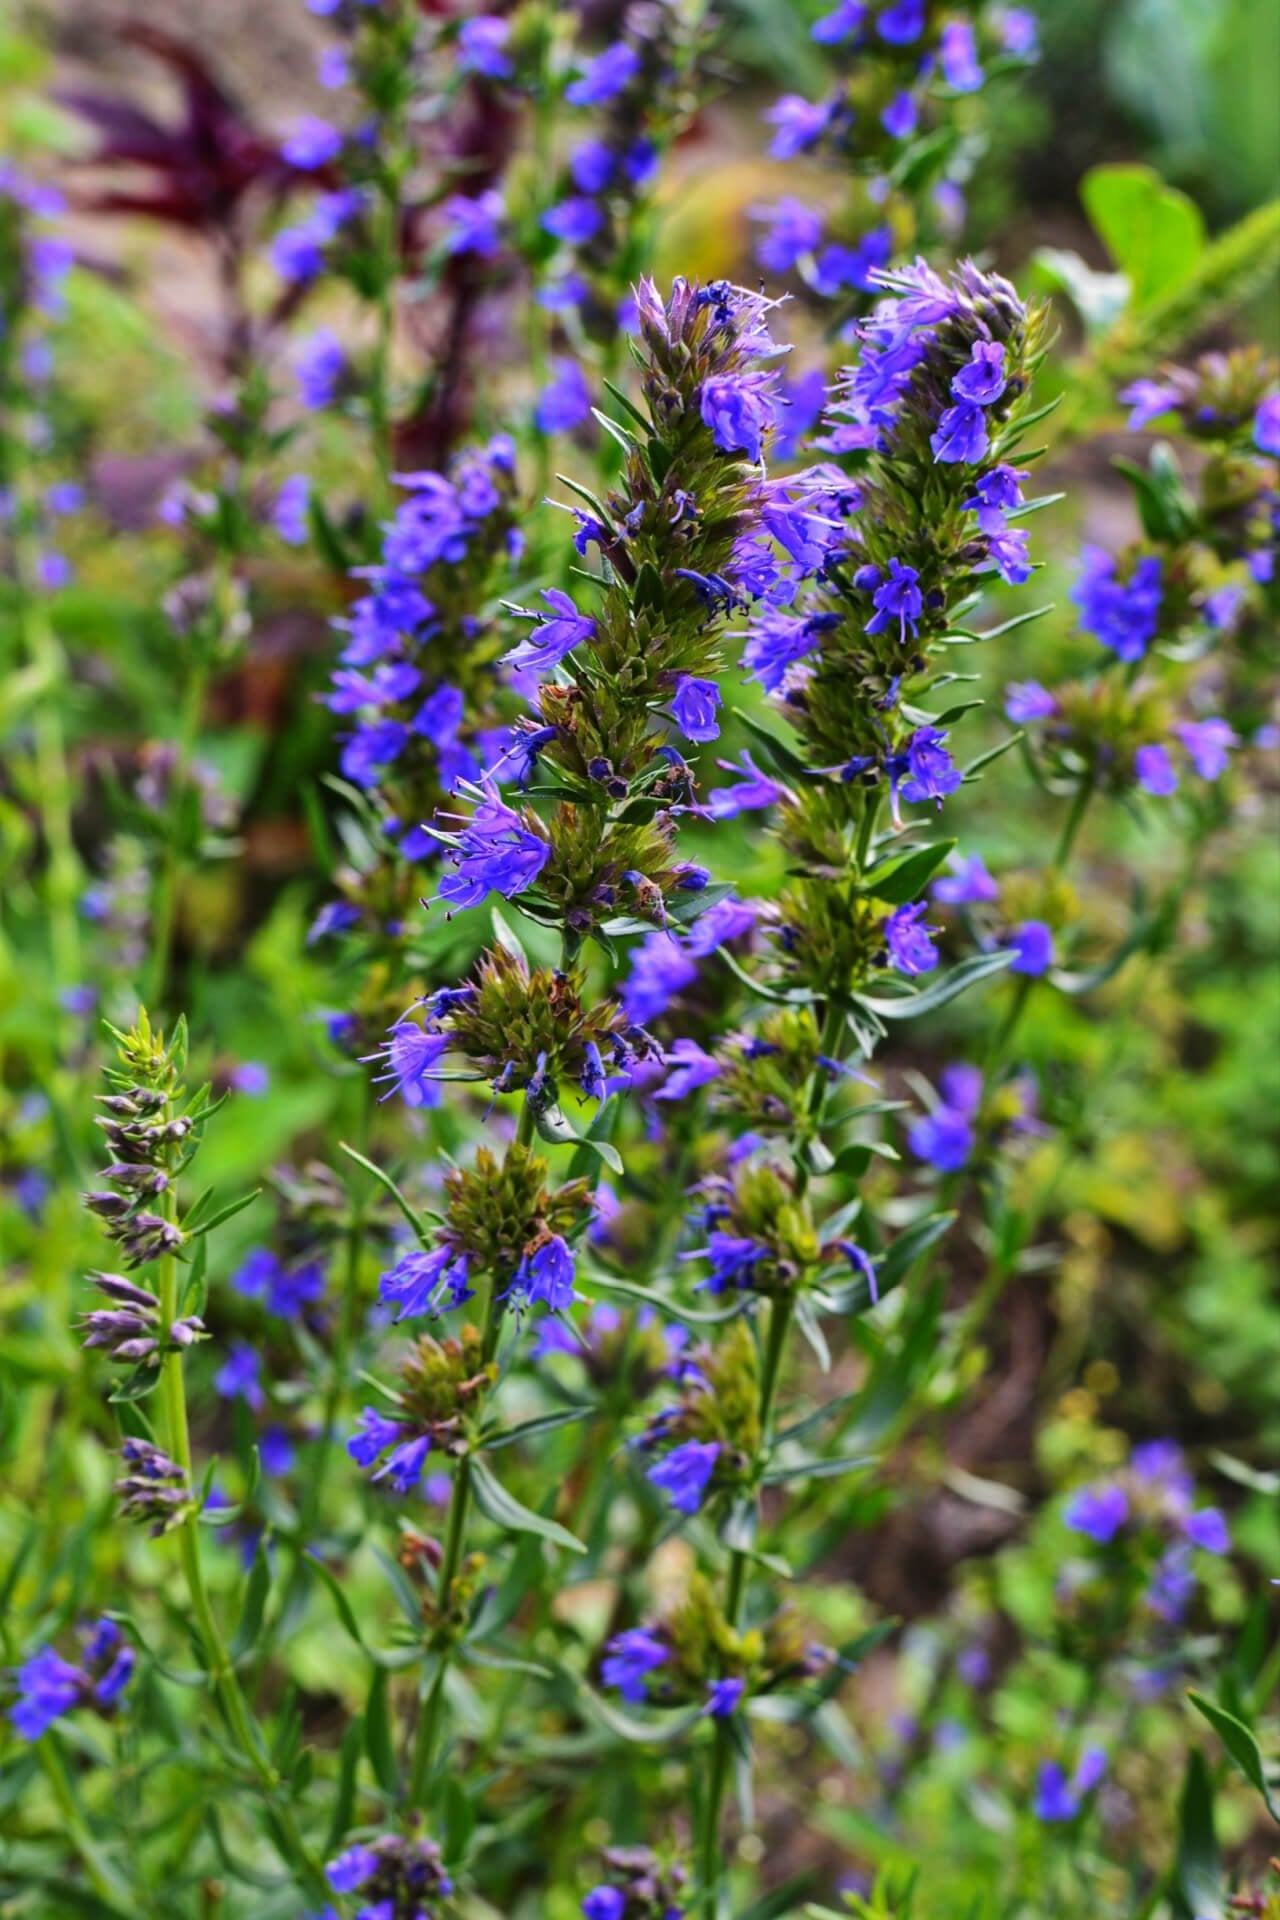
[1154, 234]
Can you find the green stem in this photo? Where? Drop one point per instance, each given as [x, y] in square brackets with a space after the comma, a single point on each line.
[177, 1434]
[103, 1878]
[171, 858]
[1071, 825]
[431, 1715]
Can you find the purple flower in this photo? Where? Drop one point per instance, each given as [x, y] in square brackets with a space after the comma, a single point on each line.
[318, 366]
[996, 493]
[1147, 400]
[931, 772]
[289, 514]
[370, 750]
[605, 77]
[565, 401]
[1208, 743]
[47, 1687]
[943, 1139]
[374, 1433]
[1009, 553]
[967, 884]
[351, 1869]
[629, 1657]
[422, 1282]
[411, 1054]
[798, 125]
[574, 221]
[403, 1465]
[547, 1278]
[901, 23]
[737, 413]
[333, 68]
[849, 18]
[605, 1903]
[778, 641]
[755, 789]
[251, 1078]
[691, 1069]
[798, 405]
[1032, 945]
[959, 57]
[911, 951]
[591, 166]
[1124, 615]
[1027, 700]
[1266, 425]
[1155, 771]
[901, 117]
[660, 969]
[312, 144]
[694, 706]
[481, 43]
[961, 435]
[496, 853]
[1207, 1529]
[552, 639]
[794, 230]
[723, 1697]
[728, 919]
[1018, 31]
[1054, 1799]
[238, 1376]
[684, 1473]
[474, 224]
[897, 598]
[1099, 1512]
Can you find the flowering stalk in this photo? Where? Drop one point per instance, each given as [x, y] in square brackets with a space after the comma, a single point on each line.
[898, 121]
[932, 415]
[600, 866]
[154, 1135]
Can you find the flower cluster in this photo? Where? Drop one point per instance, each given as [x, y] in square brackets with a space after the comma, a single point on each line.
[931, 414]
[396, 1879]
[417, 674]
[692, 1655]
[901, 73]
[47, 1686]
[640, 90]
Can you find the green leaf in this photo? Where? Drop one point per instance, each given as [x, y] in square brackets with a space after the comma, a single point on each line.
[224, 1213]
[1197, 1873]
[344, 1799]
[540, 1423]
[257, 1588]
[379, 1744]
[688, 1316]
[1166, 509]
[1154, 234]
[384, 1180]
[553, 1126]
[506, 936]
[615, 432]
[1241, 1745]
[904, 876]
[506, 1512]
[779, 757]
[815, 1467]
[911, 1006]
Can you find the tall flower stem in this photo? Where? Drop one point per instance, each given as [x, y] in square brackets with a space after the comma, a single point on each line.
[430, 1717]
[171, 858]
[102, 1875]
[173, 1401]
